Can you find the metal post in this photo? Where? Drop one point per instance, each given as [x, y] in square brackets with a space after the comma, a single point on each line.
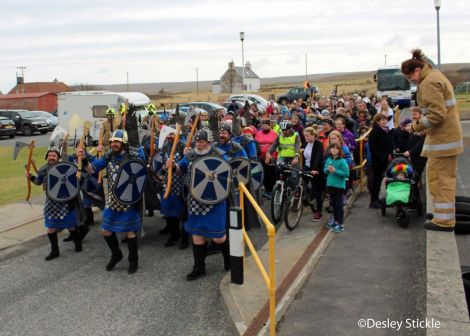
[127, 81]
[438, 40]
[197, 82]
[305, 66]
[361, 153]
[236, 246]
[242, 38]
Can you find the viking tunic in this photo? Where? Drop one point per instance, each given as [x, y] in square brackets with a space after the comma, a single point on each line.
[173, 206]
[57, 215]
[117, 217]
[203, 219]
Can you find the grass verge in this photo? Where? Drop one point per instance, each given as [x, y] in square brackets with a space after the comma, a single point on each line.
[13, 185]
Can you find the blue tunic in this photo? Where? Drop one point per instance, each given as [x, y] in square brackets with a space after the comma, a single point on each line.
[117, 217]
[227, 149]
[86, 201]
[173, 205]
[249, 145]
[204, 220]
[57, 215]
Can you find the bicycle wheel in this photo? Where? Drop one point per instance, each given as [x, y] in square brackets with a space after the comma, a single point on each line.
[276, 204]
[294, 208]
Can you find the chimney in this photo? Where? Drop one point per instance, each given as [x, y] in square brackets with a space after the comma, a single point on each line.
[231, 65]
[19, 79]
[248, 65]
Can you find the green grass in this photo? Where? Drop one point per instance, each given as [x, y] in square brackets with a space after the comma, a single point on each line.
[13, 185]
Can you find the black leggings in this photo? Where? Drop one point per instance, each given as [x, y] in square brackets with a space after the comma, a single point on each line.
[336, 199]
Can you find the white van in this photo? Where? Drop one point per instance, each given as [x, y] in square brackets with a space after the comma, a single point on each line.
[92, 106]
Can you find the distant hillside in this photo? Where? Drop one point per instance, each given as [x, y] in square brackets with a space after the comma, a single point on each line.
[457, 72]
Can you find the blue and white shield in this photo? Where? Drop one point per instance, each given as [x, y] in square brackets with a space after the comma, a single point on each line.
[130, 182]
[211, 178]
[61, 182]
[241, 171]
[257, 174]
[89, 184]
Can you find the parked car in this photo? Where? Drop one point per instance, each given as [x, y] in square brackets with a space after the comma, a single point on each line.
[51, 119]
[294, 94]
[26, 122]
[239, 103]
[260, 101]
[7, 127]
[208, 106]
[260, 107]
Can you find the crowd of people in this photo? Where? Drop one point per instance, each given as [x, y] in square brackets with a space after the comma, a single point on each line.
[326, 137]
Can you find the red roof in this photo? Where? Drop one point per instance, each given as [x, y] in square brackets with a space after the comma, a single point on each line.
[26, 95]
[35, 87]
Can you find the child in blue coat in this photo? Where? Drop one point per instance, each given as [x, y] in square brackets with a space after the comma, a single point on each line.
[337, 171]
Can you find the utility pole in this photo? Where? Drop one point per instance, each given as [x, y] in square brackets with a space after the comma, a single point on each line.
[197, 82]
[305, 66]
[385, 59]
[127, 81]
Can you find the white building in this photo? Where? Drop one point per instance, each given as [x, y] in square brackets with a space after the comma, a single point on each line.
[231, 80]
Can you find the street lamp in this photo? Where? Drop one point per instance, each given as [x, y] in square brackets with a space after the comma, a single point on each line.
[437, 5]
[242, 38]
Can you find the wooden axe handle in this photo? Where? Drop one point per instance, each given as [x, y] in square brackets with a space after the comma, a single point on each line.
[172, 155]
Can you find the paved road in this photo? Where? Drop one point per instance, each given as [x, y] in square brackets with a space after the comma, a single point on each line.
[463, 188]
[374, 269]
[74, 295]
[42, 140]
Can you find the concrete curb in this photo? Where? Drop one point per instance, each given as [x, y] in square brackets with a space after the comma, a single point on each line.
[287, 287]
[445, 296]
[26, 222]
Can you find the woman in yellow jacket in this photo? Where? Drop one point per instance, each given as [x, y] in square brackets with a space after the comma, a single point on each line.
[443, 143]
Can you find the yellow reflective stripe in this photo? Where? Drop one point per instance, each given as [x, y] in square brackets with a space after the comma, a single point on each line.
[451, 102]
[443, 216]
[451, 145]
[444, 205]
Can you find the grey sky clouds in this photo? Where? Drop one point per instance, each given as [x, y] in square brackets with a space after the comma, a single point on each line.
[97, 42]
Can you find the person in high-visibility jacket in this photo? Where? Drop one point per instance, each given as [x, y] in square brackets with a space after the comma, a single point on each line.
[287, 145]
[435, 97]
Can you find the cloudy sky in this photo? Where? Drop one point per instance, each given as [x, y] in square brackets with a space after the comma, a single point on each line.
[97, 42]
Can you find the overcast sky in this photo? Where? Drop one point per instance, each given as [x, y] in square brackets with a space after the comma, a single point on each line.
[97, 42]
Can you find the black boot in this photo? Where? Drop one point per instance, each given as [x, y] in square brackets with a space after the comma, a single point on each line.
[83, 230]
[225, 248]
[90, 219]
[77, 240]
[54, 246]
[69, 238]
[199, 269]
[213, 248]
[166, 229]
[184, 243]
[116, 254]
[151, 213]
[173, 224]
[133, 255]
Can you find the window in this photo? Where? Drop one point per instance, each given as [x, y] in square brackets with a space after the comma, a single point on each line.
[99, 111]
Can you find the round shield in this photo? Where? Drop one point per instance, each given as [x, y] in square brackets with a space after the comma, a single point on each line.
[130, 182]
[89, 184]
[61, 182]
[210, 180]
[257, 174]
[241, 168]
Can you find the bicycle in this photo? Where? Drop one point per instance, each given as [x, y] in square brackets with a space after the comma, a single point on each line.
[287, 199]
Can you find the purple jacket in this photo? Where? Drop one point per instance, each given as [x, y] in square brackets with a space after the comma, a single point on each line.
[349, 139]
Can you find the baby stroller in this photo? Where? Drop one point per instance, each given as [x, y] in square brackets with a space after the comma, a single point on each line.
[401, 190]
